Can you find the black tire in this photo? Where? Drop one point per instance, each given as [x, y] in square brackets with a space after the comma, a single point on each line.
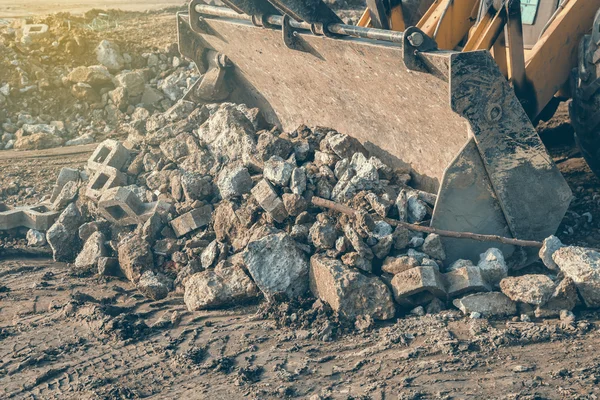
[585, 106]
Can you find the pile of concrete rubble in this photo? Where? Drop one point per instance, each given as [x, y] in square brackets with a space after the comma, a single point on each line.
[45, 70]
[211, 202]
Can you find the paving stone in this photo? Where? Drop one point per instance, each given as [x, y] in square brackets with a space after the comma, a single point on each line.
[110, 153]
[103, 179]
[39, 217]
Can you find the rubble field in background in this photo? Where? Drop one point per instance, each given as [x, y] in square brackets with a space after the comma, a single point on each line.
[210, 202]
[70, 80]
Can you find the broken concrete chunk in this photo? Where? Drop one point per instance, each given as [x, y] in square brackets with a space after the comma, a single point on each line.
[196, 186]
[66, 196]
[492, 266]
[416, 208]
[433, 247]
[486, 304]
[268, 199]
[417, 280]
[550, 246]
[154, 286]
[218, 287]
[192, 220]
[583, 267]
[464, 280]
[564, 297]
[278, 171]
[298, 181]
[294, 204]
[357, 243]
[63, 235]
[323, 234]
[277, 266]
[530, 289]
[234, 182]
[135, 257]
[383, 247]
[348, 291]
[396, 265]
[210, 254]
[354, 259]
[65, 175]
[35, 238]
[93, 250]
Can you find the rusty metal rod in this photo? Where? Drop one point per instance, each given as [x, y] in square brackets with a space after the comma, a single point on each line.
[336, 29]
[331, 205]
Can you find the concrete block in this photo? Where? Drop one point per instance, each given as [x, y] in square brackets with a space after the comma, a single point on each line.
[39, 217]
[464, 280]
[121, 206]
[109, 153]
[416, 281]
[268, 199]
[192, 220]
[103, 179]
[35, 29]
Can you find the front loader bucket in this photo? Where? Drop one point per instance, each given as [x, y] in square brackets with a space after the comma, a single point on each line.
[452, 117]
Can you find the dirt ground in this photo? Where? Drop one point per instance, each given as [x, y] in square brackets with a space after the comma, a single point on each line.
[65, 336]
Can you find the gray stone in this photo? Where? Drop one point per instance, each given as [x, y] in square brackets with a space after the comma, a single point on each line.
[433, 247]
[94, 75]
[218, 287]
[234, 182]
[210, 254]
[583, 267]
[401, 238]
[35, 238]
[134, 82]
[298, 181]
[63, 235]
[416, 208]
[109, 55]
[135, 257]
[550, 246]
[196, 186]
[229, 135]
[277, 266]
[278, 171]
[492, 265]
[360, 175]
[486, 304]
[383, 247]
[380, 206]
[154, 286]
[530, 289]
[93, 249]
[349, 292]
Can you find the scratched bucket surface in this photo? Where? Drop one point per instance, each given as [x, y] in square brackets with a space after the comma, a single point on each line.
[406, 118]
[355, 86]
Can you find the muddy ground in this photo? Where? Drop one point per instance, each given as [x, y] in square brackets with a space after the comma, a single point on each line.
[77, 337]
